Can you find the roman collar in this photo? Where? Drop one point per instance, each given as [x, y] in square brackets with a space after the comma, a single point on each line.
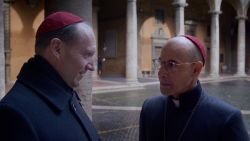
[188, 100]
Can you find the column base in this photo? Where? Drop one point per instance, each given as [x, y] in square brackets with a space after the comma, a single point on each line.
[131, 81]
[214, 75]
[240, 74]
[95, 77]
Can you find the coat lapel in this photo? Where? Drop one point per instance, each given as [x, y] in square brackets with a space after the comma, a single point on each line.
[85, 121]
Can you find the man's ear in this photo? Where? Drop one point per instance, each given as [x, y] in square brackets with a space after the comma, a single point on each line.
[56, 47]
[197, 68]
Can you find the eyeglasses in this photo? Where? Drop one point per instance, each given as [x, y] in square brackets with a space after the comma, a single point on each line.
[172, 65]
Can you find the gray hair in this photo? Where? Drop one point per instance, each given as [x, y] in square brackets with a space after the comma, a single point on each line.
[67, 34]
[194, 52]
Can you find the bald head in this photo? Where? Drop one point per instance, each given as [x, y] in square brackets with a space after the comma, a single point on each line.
[180, 66]
[185, 44]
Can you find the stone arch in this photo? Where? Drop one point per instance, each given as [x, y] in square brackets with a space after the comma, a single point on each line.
[158, 39]
[27, 14]
[214, 5]
[151, 40]
[38, 20]
[22, 38]
[153, 34]
[15, 31]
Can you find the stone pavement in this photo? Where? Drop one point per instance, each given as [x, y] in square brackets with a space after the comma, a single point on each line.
[116, 105]
[112, 84]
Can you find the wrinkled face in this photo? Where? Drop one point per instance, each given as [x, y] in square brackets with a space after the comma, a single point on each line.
[77, 57]
[175, 73]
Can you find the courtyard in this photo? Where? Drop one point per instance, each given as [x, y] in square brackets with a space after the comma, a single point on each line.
[116, 114]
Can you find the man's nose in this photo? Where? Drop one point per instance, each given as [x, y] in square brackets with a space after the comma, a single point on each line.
[90, 67]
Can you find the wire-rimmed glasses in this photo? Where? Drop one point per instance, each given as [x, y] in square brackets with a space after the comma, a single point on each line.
[172, 65]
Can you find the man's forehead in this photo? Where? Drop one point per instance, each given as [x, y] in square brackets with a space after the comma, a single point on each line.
[174, 50]
[176, 45]
[179, 41]
[187, 43]
[86, 31]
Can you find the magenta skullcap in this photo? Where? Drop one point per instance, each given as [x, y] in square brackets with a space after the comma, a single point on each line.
[199, 45]
[56, 21]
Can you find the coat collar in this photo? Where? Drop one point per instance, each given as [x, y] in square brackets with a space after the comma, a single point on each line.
[42, 78]
[189, 99]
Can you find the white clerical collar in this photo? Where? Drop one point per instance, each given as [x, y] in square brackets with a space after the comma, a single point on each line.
[176, 102]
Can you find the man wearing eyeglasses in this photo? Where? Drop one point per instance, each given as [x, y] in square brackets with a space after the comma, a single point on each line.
[184, 111]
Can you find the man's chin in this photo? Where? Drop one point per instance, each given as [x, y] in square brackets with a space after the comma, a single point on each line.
[164, 92]
[167, 93]
[75, 84]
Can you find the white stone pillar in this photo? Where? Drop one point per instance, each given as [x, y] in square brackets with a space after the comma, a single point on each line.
[131, 42]
[214, 44]
[179, 17]
[7, 48]
[95, 28]
[241, 46]
[85, 88]
[2, 58]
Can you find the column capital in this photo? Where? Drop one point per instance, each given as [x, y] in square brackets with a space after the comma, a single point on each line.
[131, 0]
[214, 12]
[179, 4]
[241, 17]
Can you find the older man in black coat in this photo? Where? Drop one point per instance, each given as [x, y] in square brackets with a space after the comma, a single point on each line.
[185, 112]
[42, 105]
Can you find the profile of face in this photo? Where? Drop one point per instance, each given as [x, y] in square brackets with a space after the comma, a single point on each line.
[74, 59]
[178, 73]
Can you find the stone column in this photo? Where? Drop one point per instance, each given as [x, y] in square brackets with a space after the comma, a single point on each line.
[241, 46]
[7, 48]
[82, 8]
[95, 26]
[179, 17]
[2, 58]
[131, 42]
[214, 44]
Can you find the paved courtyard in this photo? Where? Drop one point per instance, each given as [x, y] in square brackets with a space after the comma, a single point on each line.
[116, 114]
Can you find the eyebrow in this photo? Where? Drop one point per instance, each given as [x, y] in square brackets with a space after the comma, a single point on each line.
[169, 60]
[172, 60]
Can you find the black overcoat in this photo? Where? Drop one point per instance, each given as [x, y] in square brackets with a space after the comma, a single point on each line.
[41, 107]
[212, 120]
